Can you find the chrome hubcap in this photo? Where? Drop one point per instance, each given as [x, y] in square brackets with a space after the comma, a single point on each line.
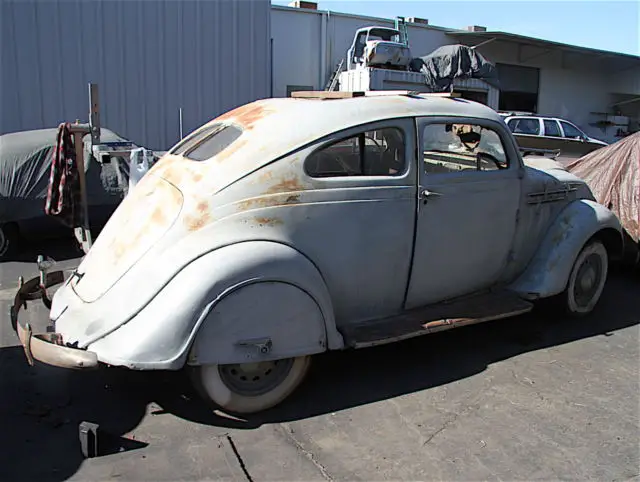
[253, 379]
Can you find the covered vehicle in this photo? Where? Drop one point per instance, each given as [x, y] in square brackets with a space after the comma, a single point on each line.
[289, 227]
[449, 62]
[25, 165]
[613, 174]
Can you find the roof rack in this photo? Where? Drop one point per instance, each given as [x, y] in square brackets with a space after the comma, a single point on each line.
[327, 95]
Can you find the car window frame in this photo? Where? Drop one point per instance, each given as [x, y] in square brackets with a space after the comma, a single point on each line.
[524, 118]
[582, 134]
[561, 136]
[405, 123]
[515, 163]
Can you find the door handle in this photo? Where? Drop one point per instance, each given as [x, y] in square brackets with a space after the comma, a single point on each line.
[425, 194]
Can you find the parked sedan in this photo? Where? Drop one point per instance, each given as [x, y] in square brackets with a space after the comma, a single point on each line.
[550, 134]
[289, 227]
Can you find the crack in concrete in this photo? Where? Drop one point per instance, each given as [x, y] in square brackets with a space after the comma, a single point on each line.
[239, 457]
[441, 429]
[288, 433]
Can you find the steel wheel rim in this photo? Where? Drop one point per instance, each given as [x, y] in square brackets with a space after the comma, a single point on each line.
[254, 379]
[588, 279]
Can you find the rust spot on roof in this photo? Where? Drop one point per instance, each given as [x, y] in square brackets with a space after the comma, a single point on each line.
[263, 221]
[268, 201]
[202, 207]
[290, 184]
[194, 223]
[246, 115]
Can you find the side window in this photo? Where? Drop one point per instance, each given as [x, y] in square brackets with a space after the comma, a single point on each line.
[551, 128]
[570, 131]
[461, 147]
[378, 152]
[525, 126]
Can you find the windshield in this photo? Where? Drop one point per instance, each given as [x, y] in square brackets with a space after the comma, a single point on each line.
[384, 34]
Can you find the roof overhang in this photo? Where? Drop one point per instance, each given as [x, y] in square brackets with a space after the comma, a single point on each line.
[539, 47]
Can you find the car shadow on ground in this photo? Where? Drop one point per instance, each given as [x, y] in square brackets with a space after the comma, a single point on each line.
[41, 407]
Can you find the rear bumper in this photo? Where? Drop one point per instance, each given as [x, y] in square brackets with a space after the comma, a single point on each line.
[47, 348]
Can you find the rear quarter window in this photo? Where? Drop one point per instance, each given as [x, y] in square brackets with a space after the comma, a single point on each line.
[208, 143]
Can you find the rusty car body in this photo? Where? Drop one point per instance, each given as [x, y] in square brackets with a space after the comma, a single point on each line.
[378, 47]
[289, 227]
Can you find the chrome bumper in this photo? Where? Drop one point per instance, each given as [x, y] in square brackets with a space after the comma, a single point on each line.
[48, 348]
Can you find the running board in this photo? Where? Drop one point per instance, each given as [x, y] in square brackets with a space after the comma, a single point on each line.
[438, 317]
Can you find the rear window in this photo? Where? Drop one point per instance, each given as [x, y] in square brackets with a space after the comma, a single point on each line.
[208, 143]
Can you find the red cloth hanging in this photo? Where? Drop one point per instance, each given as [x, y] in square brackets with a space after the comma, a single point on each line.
[63, 195]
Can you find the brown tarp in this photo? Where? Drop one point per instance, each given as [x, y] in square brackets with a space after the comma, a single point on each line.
[613, 174]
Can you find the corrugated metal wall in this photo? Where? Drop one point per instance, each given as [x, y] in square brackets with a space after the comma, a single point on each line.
[149, 58]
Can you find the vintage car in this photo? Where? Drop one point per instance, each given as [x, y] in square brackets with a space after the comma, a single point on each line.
[378, 47]
[289, 227]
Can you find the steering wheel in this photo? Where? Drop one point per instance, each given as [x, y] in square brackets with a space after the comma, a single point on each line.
[490, 157]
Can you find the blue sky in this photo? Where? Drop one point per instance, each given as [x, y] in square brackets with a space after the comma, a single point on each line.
[607, 25]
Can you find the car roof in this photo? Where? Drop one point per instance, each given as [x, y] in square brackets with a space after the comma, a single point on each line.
[514, 115]
[276, 127]
[293, 122]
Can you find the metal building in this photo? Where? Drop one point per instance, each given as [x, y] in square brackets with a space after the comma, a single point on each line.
[149, 58]
[596, 89]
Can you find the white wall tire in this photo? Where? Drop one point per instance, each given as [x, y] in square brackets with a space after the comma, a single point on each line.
[238, 388]
[587, 279]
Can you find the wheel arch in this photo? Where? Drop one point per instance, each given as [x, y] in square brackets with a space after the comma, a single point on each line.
[579, 222]
[276, 294]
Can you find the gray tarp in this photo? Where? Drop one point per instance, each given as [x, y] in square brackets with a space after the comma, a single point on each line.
[448, 62]
[25, 164]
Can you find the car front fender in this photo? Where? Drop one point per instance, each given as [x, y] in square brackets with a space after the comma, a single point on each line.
[161, 335]
[548, 271]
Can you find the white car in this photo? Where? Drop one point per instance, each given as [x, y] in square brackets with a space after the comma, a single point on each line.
[535, 133]
[289, 227]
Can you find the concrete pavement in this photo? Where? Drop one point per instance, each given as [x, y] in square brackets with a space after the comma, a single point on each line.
[534, 397]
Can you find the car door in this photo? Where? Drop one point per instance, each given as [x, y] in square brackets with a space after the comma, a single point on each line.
[576, 140]
[553, 137]
[526, 131]
[468, 198]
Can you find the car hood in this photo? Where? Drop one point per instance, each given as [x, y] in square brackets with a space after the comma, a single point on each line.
[597, 141]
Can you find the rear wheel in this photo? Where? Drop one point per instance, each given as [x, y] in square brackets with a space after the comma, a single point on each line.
[250, 387]
[586, 280]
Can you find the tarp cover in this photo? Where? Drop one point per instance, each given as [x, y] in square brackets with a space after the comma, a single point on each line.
[25, 164]
[448, 62]
[613, 174]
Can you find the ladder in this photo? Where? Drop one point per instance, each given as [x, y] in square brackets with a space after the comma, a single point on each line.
[401, 26]
[333, 80]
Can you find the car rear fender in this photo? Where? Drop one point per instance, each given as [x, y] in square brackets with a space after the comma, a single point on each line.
[548, 271]
[216, 306]
[281, 309]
